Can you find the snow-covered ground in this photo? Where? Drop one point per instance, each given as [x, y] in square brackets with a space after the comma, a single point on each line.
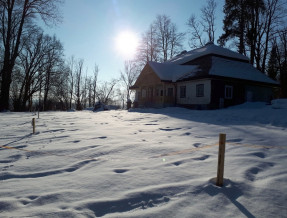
[144, 163]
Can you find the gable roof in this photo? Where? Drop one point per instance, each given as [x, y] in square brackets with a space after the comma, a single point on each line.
[172, 72]
[208, 49]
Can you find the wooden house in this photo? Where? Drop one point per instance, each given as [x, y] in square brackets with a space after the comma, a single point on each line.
[209, 77]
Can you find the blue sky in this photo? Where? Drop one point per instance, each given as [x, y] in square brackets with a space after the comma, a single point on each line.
[90, 27]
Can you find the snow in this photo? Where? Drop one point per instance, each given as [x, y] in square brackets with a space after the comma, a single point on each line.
[172, 72]
[279, 104]
[208, 49]
[238, 70]
[144, 163]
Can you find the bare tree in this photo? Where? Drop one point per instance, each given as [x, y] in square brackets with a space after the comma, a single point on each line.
[168, 39]
[129, 76]
[195, 39]
[15, 16]
[53, 65]
[29, 70]
[105, 91]
[78, 83]
[204, 26]
[84, 90]
[94, 83]
[176, 39]
[71, 65]
[148, 49]
[208, 18]
[282, 61]
[272, 23]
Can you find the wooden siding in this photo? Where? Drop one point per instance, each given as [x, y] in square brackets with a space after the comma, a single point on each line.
[242, 92]
[152, 92]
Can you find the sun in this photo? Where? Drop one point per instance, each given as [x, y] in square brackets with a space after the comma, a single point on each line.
[126, 44]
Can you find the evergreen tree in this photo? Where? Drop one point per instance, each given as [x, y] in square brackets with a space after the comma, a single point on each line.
[242, 21]
[273, 67]
[234, 23]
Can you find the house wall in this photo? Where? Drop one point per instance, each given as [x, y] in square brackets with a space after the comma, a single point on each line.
[258, 93]
[191, 99]
[157, 95]
[152, 92]
[218, 98]
[242, 92]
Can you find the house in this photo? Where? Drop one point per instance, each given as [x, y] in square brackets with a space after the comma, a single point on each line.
[209, 77]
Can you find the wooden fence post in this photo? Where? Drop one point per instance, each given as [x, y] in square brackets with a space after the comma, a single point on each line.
[221, 154]
[33, 124]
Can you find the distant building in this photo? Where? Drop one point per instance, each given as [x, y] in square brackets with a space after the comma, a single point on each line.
[209, 77]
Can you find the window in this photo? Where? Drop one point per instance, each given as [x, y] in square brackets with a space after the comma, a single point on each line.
[228, 92]
[170, 92]
[143, 93]
[182, 92]
[157, 92]
[161, 92]
[200, 90]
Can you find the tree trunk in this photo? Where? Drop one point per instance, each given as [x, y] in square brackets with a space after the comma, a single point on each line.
[5, 86]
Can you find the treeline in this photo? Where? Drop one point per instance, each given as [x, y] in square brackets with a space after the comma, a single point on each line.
[35, 73]
[30, 61]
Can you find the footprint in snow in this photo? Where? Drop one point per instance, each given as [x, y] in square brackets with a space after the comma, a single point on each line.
[169, 129]
[204, 157]
[233, 140]
[102, 137]
[120, 170]
[186, 134]
[177, 163]
[259, 154]
[196, 145]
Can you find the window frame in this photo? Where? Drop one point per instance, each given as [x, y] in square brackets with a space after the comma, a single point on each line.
[182, 92]
[170, 92]
[200, 90]
[144, 93]
[228, 92]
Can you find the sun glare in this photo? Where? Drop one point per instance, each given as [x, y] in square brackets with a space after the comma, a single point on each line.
[126, 43]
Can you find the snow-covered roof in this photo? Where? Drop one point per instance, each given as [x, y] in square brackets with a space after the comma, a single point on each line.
[172, 72]
[208, 49]
[239, 70]
[225, 63]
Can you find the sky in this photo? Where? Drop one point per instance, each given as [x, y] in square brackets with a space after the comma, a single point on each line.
[90, 28]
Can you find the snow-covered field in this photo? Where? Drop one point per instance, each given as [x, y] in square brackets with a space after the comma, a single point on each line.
[144, 163]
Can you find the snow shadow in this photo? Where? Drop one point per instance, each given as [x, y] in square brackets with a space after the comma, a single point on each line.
[226, 116]
[231, 190]
[8, 175]
[138, 201]
[17, 139]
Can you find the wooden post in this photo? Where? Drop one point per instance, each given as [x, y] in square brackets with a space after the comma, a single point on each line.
[221, 154]
[33, 124]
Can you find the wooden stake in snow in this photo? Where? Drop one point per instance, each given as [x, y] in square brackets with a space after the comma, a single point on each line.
[33, 124]
[221, 154]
